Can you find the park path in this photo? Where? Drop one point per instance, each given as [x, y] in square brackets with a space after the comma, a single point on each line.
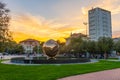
[113, 74]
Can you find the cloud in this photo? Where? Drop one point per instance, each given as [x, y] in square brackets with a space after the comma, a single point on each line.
[70, 18]
[116, 34]
[28, 26]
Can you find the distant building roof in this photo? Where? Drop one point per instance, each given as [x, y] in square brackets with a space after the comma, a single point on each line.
[29, 40]
[78, 35]
[116, 39]
[100, 9]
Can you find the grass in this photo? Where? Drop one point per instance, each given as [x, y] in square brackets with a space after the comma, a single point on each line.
[113, 58]
[52, 72]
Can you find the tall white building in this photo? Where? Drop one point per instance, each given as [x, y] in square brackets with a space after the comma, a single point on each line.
[99, 23]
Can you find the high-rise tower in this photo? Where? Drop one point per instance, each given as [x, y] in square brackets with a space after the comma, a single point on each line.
[99, 23]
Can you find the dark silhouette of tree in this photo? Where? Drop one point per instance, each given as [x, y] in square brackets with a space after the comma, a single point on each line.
[38, 49]
[5, 35]
[117, 46]
[105, 45]
[92, 47]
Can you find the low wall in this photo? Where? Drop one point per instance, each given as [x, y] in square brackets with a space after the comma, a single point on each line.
[45, 61]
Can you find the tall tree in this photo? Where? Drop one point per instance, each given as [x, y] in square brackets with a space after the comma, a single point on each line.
[38, 49]
[75, 46]
[105, 45]
[18, 49]
[5, 35]
[117, 46]
[92, 47]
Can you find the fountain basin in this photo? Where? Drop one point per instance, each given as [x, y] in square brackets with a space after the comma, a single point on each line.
[43, 60]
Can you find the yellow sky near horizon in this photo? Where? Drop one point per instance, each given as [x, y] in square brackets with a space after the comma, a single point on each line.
[26, 26]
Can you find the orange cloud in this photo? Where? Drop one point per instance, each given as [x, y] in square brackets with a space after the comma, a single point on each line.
[116, 34]
[26, 26]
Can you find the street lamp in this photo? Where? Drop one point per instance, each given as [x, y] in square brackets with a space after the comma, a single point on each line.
[85, 23]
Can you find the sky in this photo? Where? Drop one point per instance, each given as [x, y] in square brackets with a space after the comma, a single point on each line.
[56, 19]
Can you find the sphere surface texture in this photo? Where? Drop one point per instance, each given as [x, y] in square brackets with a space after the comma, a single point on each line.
[51, 48]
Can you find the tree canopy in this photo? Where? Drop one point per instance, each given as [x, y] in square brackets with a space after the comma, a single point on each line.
[5, 34]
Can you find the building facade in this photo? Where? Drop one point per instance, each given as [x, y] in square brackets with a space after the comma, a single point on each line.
[75, 35]
[29, 44]
[99, 23]
[116, 39]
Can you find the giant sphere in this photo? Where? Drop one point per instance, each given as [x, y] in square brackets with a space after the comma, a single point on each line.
[51, 48]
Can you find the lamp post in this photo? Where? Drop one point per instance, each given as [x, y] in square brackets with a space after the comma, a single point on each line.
[36, 53]
[85, 23]
[72, 51]
[38, 47]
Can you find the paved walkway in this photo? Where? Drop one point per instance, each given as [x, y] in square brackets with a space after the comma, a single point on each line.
[102, 75]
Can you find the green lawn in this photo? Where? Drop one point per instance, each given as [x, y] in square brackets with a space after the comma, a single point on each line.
[113, 58]
[51, 72]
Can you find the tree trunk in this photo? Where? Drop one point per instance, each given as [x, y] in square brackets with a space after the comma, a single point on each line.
[105, 55]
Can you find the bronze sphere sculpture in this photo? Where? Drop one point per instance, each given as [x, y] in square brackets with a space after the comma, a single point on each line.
[51, 48]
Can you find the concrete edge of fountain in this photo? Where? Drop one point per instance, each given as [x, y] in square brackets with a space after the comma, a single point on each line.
[9, 62]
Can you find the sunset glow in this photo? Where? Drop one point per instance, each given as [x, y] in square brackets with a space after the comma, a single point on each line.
[56, 19]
